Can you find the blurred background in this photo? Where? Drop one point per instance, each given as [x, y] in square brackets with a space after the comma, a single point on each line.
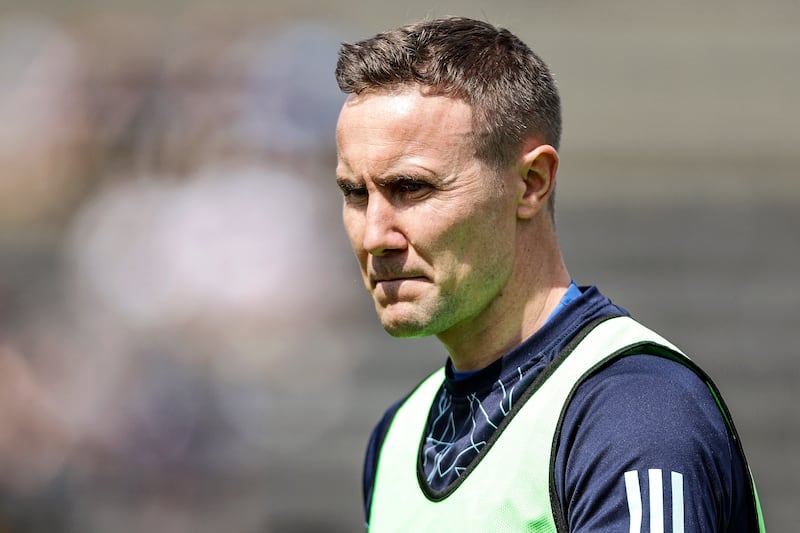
[185, 344]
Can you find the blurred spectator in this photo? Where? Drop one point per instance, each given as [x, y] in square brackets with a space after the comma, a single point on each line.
[206, 287]
[229, 245]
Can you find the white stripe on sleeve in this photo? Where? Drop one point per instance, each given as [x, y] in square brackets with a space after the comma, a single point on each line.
[656, 501]
[677, 502]
[634, 500]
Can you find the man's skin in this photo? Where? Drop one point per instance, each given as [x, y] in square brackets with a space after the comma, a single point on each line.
[447, 245]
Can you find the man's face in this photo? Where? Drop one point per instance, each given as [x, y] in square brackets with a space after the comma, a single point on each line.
[432, 227]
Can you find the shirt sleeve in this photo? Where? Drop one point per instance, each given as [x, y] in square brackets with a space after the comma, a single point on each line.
[644, 447]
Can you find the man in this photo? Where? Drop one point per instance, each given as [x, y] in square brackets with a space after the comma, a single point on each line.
[555, 411]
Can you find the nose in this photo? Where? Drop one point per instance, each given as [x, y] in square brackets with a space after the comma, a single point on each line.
[381, 232]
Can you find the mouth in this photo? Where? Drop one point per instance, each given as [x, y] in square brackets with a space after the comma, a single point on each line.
[394, 280]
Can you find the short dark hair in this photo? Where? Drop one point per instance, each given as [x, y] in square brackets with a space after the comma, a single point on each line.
[511, 90]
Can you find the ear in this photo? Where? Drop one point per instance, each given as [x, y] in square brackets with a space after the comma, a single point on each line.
[537, 171]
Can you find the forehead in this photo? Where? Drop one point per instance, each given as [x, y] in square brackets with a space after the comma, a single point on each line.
[406, 122]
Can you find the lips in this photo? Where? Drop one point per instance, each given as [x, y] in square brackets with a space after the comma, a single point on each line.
[375, 280]
[390, 270]
[381, 272]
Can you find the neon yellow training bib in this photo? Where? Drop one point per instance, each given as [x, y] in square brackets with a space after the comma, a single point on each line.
[509, 490]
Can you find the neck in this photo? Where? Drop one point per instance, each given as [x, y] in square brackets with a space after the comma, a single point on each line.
[538, 281]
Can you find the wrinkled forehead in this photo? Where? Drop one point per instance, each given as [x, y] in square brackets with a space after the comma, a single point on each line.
[407, 109]
[380, 129]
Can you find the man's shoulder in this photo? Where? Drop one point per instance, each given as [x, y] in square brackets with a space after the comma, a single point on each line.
[647, 393]
[638, 421]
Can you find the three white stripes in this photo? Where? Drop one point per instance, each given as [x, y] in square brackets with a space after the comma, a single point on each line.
[656, 491]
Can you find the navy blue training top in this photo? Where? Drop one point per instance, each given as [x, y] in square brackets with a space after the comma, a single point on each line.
[642, 439]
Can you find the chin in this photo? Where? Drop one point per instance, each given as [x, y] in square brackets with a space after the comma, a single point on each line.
[410, 319]
[406, 327]
[406, 330]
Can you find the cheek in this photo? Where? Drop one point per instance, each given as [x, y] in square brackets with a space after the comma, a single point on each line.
[488, 245]
[468, 247]
[487, 226]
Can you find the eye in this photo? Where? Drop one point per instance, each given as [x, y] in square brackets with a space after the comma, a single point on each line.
[411, 187]
[353, 193]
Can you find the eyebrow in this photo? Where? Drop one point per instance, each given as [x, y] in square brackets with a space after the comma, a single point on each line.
[342, 181]
[399, 177]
